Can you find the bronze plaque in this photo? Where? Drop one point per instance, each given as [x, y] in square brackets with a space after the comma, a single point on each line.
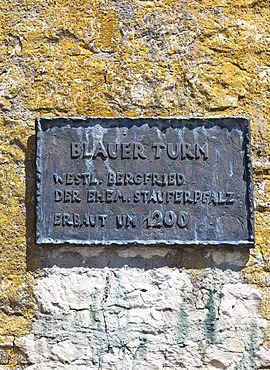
[177, 181]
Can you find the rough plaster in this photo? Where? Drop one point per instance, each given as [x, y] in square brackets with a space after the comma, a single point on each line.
[116, 58]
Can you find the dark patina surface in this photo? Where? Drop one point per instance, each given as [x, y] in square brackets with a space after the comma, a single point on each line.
[182, 181]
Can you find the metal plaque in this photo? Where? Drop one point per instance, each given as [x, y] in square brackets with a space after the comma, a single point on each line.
[184, 181]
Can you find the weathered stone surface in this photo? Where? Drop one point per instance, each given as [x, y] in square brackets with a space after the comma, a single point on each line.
[155, 319]
[130, 58]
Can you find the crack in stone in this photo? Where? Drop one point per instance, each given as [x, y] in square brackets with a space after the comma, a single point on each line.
[103, 302]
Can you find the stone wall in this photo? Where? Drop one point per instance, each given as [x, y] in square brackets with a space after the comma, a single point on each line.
[130, 307]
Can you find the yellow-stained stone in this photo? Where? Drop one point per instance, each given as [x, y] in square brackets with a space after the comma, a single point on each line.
[111, 58]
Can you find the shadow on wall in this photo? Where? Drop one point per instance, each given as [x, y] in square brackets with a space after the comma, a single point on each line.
[136, 256]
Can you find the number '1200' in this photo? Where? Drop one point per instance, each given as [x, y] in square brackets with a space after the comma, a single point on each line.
[167, 219]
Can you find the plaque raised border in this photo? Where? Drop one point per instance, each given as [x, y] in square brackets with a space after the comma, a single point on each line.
[173, 181]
